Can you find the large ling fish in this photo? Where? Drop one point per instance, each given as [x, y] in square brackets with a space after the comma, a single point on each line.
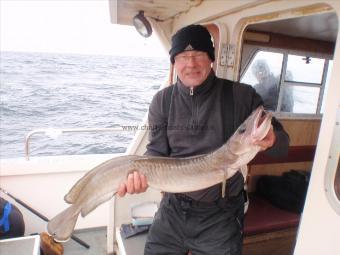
[163, 173]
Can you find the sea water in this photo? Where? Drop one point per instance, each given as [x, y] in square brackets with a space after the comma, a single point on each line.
[62, 91]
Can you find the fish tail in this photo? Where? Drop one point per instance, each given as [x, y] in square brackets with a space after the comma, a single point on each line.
[62, 225]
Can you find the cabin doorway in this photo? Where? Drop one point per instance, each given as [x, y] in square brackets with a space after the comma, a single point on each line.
[289, 63]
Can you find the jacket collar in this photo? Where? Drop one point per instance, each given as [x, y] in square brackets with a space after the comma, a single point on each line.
[197, 90]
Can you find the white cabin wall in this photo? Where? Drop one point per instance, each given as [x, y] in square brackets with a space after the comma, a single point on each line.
[319, 229]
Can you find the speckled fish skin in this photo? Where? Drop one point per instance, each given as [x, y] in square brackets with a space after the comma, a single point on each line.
[163, 173]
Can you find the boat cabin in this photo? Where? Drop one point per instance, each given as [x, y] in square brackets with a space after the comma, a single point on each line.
[289, 52]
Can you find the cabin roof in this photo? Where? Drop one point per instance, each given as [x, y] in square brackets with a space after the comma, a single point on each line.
[322, 26]
[122, 12]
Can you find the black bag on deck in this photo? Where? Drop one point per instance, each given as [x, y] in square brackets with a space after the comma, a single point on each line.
[287, 191]
[11, 220]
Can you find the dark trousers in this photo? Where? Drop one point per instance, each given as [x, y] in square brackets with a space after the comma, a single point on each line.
[203, 228]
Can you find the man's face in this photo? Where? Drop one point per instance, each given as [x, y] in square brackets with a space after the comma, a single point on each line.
[192, 67]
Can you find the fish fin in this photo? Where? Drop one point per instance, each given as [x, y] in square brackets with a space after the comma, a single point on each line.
[72, 196]
[94, 203]
[62, 225]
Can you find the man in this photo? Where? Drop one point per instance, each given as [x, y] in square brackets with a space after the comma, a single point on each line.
[268, 84]
[195, 116]
[268, 87]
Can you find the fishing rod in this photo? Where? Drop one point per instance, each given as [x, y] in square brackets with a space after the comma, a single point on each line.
[76, 239]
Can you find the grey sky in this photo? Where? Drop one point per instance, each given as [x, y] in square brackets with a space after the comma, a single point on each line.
[80, 26]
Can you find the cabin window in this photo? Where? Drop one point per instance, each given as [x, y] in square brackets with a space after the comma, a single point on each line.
[264, 73]
[304, 69]
[289, 83]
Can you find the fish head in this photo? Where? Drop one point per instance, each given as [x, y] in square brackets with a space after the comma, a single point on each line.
[252, 130]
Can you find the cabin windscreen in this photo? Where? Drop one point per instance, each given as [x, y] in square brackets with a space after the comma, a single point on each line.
[289, 83]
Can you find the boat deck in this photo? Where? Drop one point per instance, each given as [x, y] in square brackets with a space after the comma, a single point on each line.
[95, 237]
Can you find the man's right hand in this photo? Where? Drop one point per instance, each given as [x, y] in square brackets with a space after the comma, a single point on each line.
[134, 184]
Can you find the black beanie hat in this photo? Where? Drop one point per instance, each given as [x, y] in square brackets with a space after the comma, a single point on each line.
[192, 37]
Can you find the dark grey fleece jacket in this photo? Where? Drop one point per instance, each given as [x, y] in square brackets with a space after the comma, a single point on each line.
[193, 124]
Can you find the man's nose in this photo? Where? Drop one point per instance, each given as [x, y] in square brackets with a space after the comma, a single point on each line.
[191, 61]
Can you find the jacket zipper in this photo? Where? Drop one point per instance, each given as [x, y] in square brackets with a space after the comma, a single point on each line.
[193, 107]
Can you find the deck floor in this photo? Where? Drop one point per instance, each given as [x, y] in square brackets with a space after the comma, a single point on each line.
[96, 238]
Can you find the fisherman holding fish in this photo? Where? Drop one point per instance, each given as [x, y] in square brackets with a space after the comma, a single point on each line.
[204, 131]
[206, 111]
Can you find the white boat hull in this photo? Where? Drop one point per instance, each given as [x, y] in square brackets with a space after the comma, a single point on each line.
[42, 182]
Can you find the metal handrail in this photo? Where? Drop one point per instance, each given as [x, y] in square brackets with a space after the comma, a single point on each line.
[56, 132]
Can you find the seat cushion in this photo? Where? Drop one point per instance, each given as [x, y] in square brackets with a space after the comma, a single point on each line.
[263, 217]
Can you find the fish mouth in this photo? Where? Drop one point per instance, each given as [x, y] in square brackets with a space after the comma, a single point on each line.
[261, 117]
[262, 124]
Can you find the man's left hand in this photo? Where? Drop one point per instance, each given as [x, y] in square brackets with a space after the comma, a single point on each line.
[268, 141]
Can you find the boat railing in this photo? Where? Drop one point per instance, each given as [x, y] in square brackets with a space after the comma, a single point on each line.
[54, 133]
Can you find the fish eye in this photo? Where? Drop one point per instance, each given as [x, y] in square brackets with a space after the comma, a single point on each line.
[241, 129]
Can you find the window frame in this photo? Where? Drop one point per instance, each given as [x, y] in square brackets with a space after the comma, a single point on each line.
[283, 83]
